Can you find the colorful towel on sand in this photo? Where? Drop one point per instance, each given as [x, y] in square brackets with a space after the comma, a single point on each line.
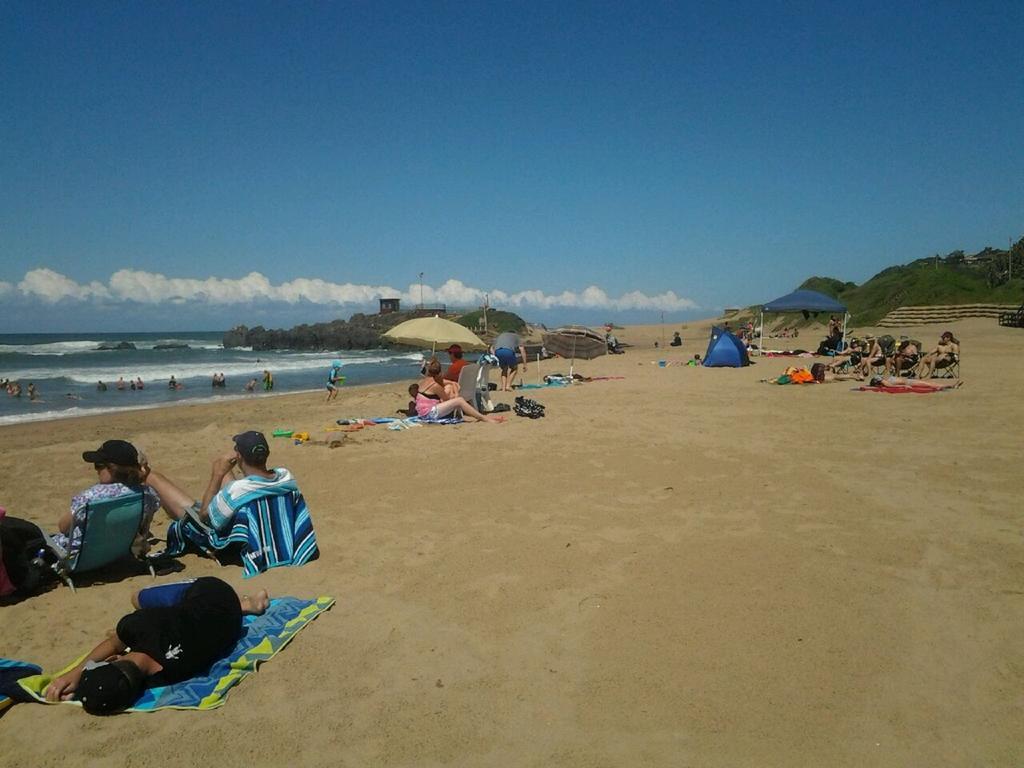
[262, 638]
[559, 383]
[11, 671]
[416, 421]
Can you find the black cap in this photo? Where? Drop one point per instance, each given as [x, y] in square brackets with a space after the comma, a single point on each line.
[114, 452]
[252, 446]
[109, 687]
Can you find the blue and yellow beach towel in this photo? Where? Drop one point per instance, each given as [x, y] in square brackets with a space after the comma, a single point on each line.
[263, 637]
[11, 671]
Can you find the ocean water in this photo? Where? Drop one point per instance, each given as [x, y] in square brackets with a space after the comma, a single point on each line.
[66, 368]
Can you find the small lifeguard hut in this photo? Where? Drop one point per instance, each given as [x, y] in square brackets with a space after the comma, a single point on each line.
[387, 306]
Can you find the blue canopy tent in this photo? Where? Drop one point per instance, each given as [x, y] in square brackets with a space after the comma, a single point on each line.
[803, 301]
[725, 350]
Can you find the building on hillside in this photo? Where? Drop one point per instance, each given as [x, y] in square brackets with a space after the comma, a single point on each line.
[387, 306]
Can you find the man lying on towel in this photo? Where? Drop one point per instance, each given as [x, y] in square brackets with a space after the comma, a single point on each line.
[177, 631]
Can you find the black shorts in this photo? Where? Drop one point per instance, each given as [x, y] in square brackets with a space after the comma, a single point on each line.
[209, 593]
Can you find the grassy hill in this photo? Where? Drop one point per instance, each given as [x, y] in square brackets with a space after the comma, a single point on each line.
[957, 278]
[497, 321]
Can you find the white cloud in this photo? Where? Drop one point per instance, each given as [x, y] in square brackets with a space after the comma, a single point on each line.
[51, 287]
[154, 288]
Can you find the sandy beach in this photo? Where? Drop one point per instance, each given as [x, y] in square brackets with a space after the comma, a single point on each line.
[682, 567]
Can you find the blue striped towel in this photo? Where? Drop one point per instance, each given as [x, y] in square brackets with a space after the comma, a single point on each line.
[272, 531]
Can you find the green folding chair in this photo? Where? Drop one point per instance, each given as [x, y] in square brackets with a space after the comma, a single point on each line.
[110, 528]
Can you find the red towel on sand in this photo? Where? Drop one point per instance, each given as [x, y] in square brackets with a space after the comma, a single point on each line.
[915, 389]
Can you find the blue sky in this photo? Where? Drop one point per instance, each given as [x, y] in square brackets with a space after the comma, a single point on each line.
[574, 161]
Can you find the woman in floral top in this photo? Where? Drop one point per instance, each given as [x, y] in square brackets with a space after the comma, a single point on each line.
[118, 472]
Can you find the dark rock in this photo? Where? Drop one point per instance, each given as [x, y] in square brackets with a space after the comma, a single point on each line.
[110, 345]
[171, 345]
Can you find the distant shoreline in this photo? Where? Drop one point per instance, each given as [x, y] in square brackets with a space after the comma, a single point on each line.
[72, 413]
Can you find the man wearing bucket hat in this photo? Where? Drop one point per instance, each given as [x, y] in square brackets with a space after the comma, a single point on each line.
[334, 380]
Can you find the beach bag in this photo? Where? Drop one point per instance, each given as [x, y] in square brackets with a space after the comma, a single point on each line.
[24, 555]
[528, 408]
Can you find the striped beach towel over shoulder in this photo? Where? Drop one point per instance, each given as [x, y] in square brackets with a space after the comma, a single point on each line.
[245, 490]
[274, 530]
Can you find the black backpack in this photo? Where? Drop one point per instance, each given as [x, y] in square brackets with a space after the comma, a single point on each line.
[27, 559]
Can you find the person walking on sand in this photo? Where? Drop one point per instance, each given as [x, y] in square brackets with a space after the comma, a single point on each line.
[334, 380]
[268, 381]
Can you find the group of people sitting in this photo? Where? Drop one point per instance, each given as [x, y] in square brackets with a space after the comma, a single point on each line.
[436, 396]
[178, 629]
[902, 359]
[241, 486]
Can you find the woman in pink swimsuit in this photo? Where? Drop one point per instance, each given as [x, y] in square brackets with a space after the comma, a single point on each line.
[434, 402]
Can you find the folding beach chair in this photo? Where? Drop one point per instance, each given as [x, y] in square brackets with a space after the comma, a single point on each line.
[467, 382]
[474, 379]
[108, 533]
[947, 368]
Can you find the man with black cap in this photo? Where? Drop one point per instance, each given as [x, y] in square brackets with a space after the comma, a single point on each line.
[224, 493]
[176, 632]
[274, 526]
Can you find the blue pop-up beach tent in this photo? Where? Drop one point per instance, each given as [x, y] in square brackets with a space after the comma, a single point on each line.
[725, 350]
[803, 301]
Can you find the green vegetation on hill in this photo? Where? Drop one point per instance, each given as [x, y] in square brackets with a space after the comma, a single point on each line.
[958, 278]
[497, 321]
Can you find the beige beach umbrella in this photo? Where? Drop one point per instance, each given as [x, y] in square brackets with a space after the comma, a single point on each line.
[433, 332]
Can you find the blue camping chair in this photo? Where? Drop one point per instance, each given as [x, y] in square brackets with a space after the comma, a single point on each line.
[110, 529]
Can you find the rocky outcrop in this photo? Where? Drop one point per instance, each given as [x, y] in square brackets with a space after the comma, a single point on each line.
[358, 332]
[171, 345]
[108, 346]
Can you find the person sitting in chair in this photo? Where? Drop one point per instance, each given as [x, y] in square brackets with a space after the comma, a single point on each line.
[118, 473]
[456, 365]
[905, 358]
[852, 356]
[176, 632]
[435, 400]
[945, 352]
[871, 356]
